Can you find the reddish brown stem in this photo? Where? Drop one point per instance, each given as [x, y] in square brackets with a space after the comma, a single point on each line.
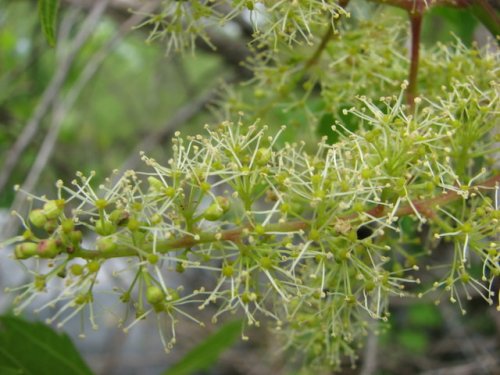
[423, 207]
[416, 28]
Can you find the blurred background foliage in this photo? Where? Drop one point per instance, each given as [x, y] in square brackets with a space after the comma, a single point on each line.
[132, 100]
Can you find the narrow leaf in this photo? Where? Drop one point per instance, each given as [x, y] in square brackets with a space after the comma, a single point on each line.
[34, 348]
[206, 353]
[487, 15]
[47, 12]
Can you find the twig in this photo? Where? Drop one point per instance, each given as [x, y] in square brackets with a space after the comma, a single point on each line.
[324, 41]
[416, 28]
[49, 95]
[235, 234]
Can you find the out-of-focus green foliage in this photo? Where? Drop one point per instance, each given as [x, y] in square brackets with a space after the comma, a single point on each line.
[134, 93]
[202, 356]
[35, 349]
[47, 11]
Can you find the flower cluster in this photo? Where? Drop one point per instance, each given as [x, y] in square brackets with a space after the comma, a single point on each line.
[179, 23]
[314, 242]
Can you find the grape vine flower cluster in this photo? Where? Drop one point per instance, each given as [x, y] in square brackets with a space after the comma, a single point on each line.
[277, 226]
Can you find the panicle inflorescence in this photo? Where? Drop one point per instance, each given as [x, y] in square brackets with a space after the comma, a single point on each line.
[278, 230]
[180, 23]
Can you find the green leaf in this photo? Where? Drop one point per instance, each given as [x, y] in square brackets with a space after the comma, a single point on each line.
[206, 353]
[459, 22]
[36, 349]
[47, 12]
[487, 15]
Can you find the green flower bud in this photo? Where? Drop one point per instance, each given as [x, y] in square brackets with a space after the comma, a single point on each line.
[154, 295]
[155, 184]
[228, 270]
[224, 203]
[133, 224]
[52, 209]
[38, 218]
[76, 269]
[153, 258]
[156, 219]
[67, 225]
[25, 250]
[263, 156]
[266, 263]
[93, 266]
[48, 248]
[101, 204]
[75, 237]
[213, 212]
[104, 227]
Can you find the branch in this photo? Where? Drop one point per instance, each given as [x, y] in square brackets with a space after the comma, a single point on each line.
[50, 94]
[416, 28]
[236, 234]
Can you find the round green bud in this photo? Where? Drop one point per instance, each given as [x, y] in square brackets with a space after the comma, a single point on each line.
[155, 184]
[75, 237]
[101, 204]
[260, 230]
[39, 282]
[38, 218]
[153, 258]
[367, 173]
[48, 248]
[314, 234]
[104, 227]
[205, 186]
[133, 224]
[263, 156]
[266, 263]
[213, 212]
[228, 270]
[52, 209]
[156, 219]
[169, 191]
[93, 266]
[67, 225]
[25, 250]
[224, 203]
[76, 269]
[154, 295]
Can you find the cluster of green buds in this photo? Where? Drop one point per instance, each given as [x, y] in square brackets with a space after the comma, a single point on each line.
[314, 242]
